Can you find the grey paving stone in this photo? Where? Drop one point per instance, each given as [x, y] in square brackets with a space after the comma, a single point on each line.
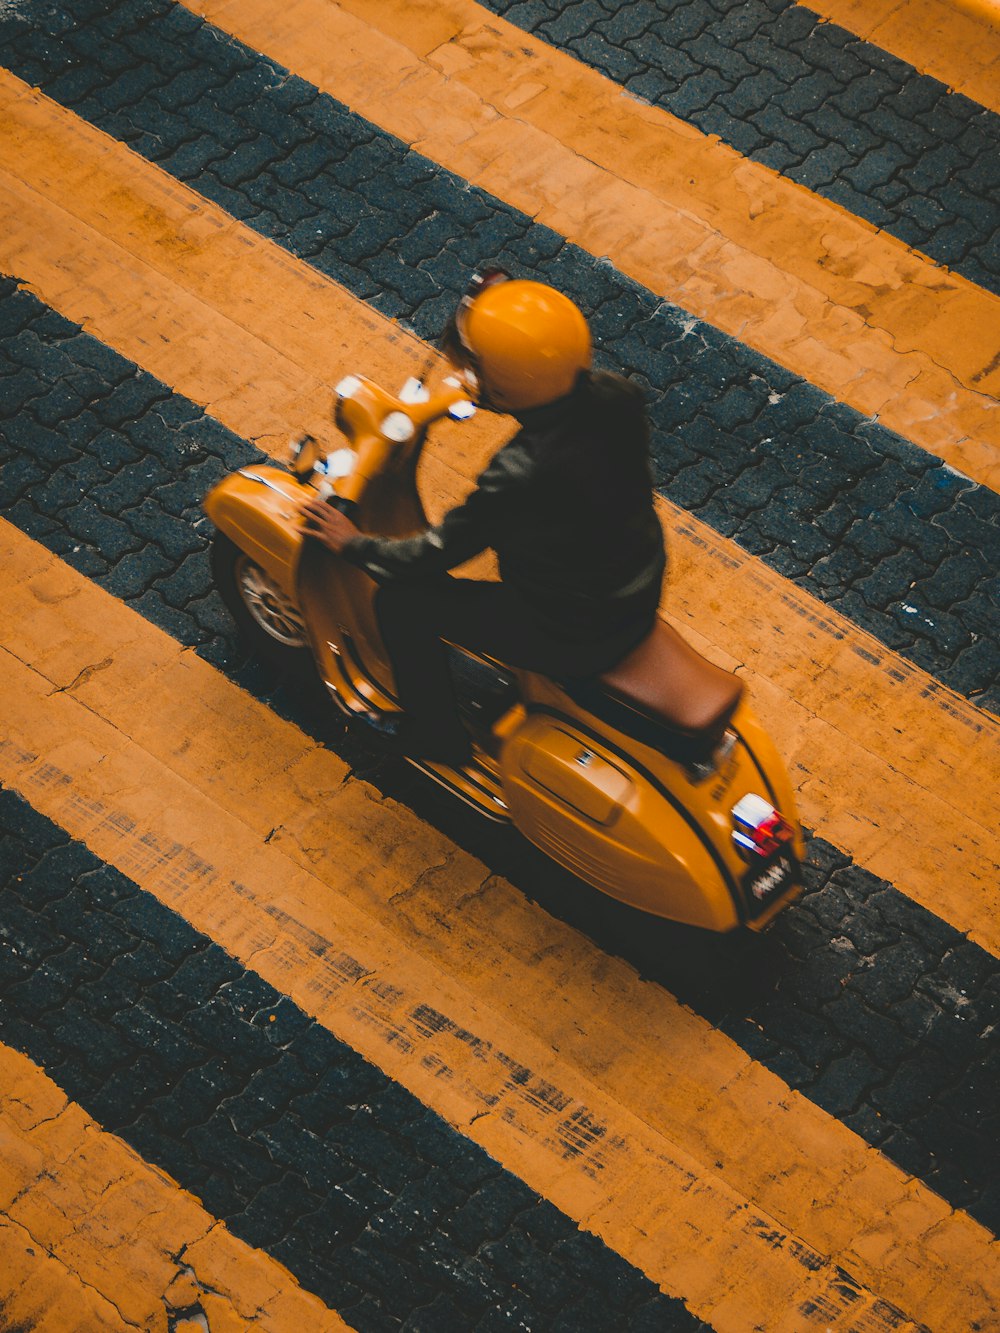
[573, 21]
[842, 1084]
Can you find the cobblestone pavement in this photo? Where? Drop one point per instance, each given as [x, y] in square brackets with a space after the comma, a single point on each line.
[883, 531]
[300, 1146]
[874, 1009]
[841, 116]
[864, 1001]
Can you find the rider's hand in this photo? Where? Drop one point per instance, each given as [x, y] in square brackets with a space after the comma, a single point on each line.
[328, 525]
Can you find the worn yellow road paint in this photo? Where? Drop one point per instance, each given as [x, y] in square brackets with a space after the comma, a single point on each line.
[877, 749]
[604, 1094]
[95, 1240]
[956, 41]
[826, 294]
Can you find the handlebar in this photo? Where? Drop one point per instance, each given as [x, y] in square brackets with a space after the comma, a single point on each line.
[381, 426]
[342, 504]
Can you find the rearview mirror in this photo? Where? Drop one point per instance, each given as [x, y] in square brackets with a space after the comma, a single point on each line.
[304, 452]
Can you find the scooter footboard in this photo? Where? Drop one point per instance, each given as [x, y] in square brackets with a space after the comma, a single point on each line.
[258, 508]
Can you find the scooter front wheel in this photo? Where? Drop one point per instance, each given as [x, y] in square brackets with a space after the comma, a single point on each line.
[268, 620]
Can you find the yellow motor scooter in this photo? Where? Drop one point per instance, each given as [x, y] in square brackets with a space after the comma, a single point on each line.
[655, 783]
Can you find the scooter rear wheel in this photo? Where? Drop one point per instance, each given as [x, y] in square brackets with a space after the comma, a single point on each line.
[268, 620]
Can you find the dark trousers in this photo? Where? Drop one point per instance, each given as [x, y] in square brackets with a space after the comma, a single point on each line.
[486, 618]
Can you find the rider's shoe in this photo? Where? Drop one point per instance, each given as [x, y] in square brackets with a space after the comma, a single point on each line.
[396, 733]
[382, 728]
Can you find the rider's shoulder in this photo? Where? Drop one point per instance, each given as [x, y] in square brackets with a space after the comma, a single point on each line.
[512, 464]
[614, 392]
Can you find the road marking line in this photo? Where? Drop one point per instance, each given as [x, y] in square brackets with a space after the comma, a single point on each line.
[801, 279]
[94, 1239]
[878, 750]
[955, 41]
[633, 1115]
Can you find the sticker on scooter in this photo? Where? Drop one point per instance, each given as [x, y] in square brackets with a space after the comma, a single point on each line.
[765, 884]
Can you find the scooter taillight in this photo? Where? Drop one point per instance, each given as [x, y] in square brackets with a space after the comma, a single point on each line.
[760, 829]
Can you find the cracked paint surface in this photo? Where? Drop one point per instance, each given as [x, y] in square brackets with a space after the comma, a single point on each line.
[399, 996]
[860, 1045]
[106, 1243]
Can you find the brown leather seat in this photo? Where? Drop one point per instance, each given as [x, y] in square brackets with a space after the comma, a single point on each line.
[667, 679]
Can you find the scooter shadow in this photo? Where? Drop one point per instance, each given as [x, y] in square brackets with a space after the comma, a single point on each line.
[723, 977]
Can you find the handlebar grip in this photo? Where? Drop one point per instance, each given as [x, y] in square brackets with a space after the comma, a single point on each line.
[342, 504]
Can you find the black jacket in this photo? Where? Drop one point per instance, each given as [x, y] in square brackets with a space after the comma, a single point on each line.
[567, 505]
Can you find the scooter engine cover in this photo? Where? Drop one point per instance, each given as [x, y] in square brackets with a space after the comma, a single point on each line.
[611, 824]
[577, 775]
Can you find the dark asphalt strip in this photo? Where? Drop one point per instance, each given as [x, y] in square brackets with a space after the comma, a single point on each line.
[883, 531]
[304, 1149]
[859, 998]
[808, 98]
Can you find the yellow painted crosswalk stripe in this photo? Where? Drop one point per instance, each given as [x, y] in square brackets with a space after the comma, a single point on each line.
[877, 749]
[703, 1169]
[94, 1240]
[956, 41]
[821, 291]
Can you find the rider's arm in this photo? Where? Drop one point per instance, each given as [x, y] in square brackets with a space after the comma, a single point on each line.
[461, 534]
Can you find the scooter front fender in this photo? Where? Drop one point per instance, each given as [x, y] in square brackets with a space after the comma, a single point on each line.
[259, 509]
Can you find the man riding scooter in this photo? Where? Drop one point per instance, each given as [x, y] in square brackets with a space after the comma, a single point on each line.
[567, 505]
[630, 759]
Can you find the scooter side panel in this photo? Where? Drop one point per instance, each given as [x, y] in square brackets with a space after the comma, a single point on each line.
[751, 766]
[605, 820]
[258, 508]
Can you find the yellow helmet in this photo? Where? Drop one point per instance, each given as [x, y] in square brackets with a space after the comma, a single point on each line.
[522, 342]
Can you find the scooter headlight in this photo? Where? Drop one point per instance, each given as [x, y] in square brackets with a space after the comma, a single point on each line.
[760, 830]
[397, 427]
[339, 463]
